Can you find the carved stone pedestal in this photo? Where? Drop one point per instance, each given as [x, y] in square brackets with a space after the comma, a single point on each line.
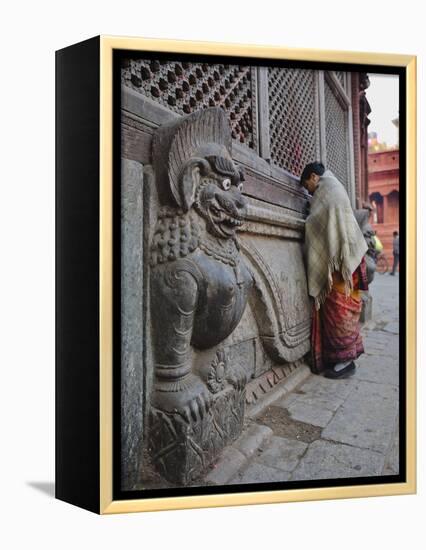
[182, 449]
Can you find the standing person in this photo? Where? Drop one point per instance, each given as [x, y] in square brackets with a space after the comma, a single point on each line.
[336, 273]
[395, 252]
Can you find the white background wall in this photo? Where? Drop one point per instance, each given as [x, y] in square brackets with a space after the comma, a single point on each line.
[29, 34]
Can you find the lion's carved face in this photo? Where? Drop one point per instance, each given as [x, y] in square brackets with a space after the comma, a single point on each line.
[219, 200]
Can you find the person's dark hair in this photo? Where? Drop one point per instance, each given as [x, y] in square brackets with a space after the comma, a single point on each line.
[395, 233]
[312, 168]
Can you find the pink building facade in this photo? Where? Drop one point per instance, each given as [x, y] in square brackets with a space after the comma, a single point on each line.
[383, 186]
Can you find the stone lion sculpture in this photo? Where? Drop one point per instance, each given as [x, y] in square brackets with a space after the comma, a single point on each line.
[199, 284]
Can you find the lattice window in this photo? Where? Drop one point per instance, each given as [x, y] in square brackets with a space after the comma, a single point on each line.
[341, 78]
[185, 87]
[336, 130]
[293, 132]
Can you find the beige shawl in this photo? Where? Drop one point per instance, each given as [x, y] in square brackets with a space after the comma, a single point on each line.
[333, 239]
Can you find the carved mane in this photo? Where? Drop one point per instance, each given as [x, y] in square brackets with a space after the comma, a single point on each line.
[203, 133]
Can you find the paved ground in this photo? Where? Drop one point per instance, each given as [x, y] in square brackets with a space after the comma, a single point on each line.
[327, 429]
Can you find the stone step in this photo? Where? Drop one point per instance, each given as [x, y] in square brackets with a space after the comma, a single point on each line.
[280, 391]
[238, 455]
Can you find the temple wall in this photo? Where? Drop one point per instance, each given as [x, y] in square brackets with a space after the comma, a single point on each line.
[280, 120]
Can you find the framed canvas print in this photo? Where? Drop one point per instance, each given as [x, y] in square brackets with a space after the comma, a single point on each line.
[235, 274]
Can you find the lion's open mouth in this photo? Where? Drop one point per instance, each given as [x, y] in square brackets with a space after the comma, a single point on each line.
[221, 217]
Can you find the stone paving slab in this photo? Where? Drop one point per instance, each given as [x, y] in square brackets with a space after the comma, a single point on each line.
[390, 351]
[392, 458]
[317, 400]
[367, 418]
[310, 414]
[256, 436]
[230, 462]
[379, 336]
[281, 453]
[378, 369]
[391, 343]
[386, 345]
[326, 460]
[285, 401]
[327, 387]
[259, 473]
[391, 347]
[283, 425]
[392, 328]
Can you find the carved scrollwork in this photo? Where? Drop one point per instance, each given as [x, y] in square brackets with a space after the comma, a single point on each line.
[284, 333]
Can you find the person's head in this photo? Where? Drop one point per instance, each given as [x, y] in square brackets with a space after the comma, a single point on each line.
[311, 175]
[395, 233]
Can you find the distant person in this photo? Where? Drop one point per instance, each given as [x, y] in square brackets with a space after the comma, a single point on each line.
[395, 252]
[336, 271]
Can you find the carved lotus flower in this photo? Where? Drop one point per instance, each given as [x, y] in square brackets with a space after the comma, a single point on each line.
[216, 379]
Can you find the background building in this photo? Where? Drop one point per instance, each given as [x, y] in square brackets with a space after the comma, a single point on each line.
[383, 178]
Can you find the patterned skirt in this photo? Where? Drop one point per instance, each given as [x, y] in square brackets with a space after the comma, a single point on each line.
[336, 336]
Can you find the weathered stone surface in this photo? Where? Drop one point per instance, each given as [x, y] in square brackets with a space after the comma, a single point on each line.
[390, 352]
[378, 337]
[262, 395]
[311, 414]
[326, 460]
[230, 461]
[259, 473]
[393, 328]
[316, 400]
[318, 385]
[381, 343]
[279, 299]
[132, 326]
[283, 425]
[285, 401]
[242, 356]
[392, 457]
[182, 447]
[253, 438]
[199, 286]
[367, 417]
[378, 369]
[282, 453]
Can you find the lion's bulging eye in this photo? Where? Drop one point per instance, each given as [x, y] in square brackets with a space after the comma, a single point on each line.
[226, 184]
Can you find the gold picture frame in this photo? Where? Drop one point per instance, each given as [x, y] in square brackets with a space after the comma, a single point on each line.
[106, 503]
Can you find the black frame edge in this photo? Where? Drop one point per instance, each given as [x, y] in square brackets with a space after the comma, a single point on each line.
[77, 275]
